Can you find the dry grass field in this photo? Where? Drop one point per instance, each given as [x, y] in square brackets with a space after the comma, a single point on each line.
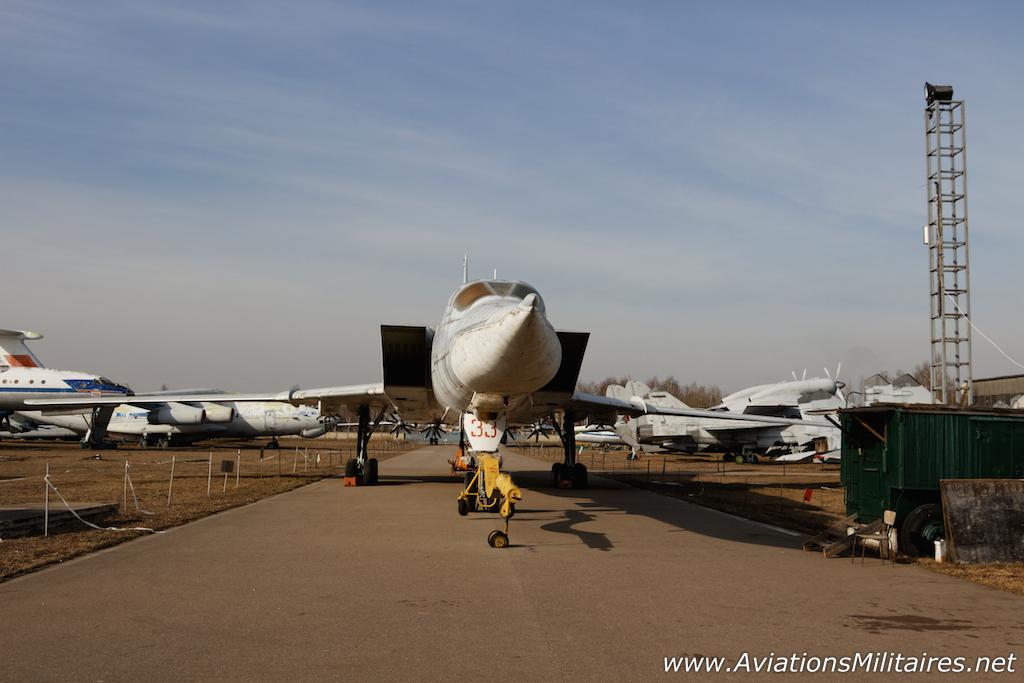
[99, 477]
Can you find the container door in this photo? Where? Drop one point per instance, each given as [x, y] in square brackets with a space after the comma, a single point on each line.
[999, 449]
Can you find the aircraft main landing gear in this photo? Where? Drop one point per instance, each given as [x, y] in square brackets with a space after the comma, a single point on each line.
[568, 474]
[362, 469]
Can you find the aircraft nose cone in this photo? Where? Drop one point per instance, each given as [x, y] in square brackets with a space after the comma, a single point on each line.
[530, 302]
[515, 352]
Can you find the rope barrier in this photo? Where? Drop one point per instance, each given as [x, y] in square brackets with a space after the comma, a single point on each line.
[132, 487]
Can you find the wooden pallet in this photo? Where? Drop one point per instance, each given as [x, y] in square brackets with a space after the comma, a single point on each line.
[836, 540]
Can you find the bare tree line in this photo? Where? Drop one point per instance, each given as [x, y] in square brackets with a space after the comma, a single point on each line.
[692, 394]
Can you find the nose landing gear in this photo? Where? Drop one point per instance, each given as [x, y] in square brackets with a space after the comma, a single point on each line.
[493, 490]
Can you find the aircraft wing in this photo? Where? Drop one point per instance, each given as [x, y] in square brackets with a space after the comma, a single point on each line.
[332, 399]
[144, 400]
[605, 409]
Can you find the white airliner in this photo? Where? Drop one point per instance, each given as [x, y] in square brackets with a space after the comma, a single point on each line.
[248, 420]
[803, 400]
[68, 398]
[494, 360]
[23, 378]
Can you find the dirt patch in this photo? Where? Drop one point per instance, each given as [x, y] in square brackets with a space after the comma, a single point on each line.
[100, 477]
[1006, 577]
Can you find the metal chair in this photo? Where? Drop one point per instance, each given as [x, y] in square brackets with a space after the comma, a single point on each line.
[881, 537]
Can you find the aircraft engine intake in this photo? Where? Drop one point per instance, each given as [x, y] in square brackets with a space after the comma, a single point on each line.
[218, 414]
[177, 414]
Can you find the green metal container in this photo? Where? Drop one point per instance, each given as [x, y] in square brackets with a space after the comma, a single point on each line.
[894, 457]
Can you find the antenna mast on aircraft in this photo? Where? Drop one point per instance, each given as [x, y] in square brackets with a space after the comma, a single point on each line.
[465, 268]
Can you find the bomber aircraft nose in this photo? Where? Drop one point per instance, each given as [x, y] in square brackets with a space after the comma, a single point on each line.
[515, 350]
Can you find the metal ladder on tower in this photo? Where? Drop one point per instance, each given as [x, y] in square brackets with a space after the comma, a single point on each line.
[946, 236]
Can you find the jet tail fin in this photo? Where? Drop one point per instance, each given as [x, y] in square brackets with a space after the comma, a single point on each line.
[665, 400]
[13, 351]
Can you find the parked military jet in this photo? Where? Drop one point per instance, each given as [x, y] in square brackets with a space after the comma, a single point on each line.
[804, 400]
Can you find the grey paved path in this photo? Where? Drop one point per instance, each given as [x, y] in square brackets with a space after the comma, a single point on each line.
[388, 582]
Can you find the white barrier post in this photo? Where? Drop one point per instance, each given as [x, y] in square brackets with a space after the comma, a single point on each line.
[170, 484]
[238, 465]
[125, 486]
[209, 475]
[46, 502]
[295, 461]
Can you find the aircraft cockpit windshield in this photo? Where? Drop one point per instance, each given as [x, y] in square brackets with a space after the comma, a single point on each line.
[110, 385]
[475, 291]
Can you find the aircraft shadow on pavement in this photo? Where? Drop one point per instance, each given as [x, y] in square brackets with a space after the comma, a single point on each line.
[592, 539]
[607, 495]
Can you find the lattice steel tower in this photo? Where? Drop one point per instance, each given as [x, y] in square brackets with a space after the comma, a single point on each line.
[946, 236]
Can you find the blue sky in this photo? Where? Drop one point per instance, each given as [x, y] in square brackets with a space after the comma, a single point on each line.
[239, 194]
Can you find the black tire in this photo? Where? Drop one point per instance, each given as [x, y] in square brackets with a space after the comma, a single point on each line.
[351, 468]
[497, 539]
[726, 457]
[751, 458]
[556, 475]
[579, 476]
[463, 507]
[913, 539]
[273, 445]
[370, 472]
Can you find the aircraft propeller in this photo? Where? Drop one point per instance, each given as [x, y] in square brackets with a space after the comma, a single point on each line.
[434, 431]
[538, 429]
[400, 426]
[840, 385]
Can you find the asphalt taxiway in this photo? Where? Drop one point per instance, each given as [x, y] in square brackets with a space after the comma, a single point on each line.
[389, 582]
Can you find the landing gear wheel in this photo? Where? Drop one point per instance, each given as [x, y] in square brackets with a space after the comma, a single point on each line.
[579, 476]
[273, 445]
[497, 539]
[463, 507]
[370, 472]
[919, 531]
[751, 459]
[556, 474]
[726, 457]
[351, 468]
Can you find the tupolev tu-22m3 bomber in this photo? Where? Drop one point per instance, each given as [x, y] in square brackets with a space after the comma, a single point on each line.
[493, 362]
